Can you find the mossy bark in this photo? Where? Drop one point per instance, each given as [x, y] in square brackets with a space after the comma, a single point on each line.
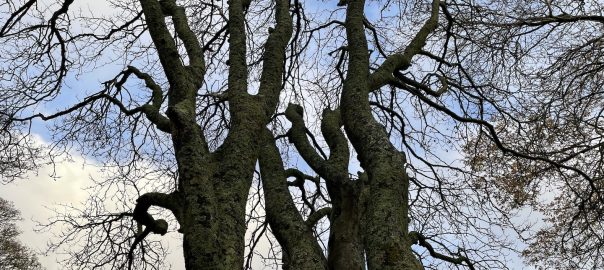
[213, 186]
[345, 249]
[300, 248]
[369, 215]
[385, 216]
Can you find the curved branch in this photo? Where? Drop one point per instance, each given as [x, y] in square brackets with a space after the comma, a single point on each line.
[300, 177]
[150, 110]
[145, 201]
[317, 215]
[420, 239]
[297, 136]
[402, 61]
[142, 217]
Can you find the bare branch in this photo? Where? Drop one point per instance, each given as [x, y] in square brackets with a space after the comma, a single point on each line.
[418, 238]
[317, 215]
[402, 61]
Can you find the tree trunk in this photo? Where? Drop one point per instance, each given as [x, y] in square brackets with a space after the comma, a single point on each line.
[345, 249]
[385, 226]
[299, 246]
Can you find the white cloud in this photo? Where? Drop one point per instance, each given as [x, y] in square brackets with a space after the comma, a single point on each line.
[38, 193]
[34, 194]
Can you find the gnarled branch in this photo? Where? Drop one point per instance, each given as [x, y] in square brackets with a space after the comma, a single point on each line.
[402, 61]
[420, 239]
[318, 215]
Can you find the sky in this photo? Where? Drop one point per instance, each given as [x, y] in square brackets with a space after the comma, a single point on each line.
[38, 193]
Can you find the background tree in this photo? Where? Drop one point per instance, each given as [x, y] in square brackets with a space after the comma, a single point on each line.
[193, 101]
[541, 59]
[13, 254]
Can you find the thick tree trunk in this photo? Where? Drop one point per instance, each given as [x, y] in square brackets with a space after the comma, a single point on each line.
[215, 192]
[215, 242]
[385, 226]
[213, 237]
[345, 249]
[300, 247]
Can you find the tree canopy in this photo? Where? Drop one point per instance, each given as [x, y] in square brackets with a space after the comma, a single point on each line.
[13, 254]
[387, 134]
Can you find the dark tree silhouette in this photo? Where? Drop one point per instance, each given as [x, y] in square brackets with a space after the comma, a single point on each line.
[381, 135]
[13, 254]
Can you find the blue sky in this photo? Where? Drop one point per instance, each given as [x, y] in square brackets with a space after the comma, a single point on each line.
[34, 195]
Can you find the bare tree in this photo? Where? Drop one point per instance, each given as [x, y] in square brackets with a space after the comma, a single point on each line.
[540, 62]
[211, 189]
[196, 100]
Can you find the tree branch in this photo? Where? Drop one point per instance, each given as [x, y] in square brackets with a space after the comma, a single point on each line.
[142, 217]
[435, 93]
[418, 238]
[402, 61]
[144, 202]
[297, 136]
[313, 218]
[271, 79]
[494, 137]
[237, 77]
[288, 226]
[16, 17]
[558, 19]
[150, 110]
[188, 37]
[162, 38]
[339, 152]
[300, 177]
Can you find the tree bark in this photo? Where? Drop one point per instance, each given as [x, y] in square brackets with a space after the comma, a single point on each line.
[345, 250]
[213, 186]
[385, 226]
[299, 246]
